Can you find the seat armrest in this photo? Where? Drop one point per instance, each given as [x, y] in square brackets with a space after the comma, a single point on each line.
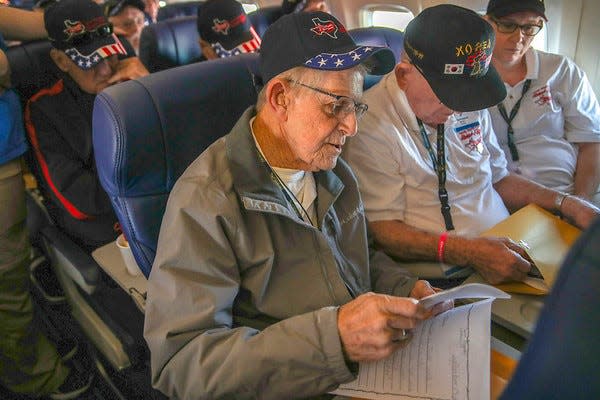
[77, 263]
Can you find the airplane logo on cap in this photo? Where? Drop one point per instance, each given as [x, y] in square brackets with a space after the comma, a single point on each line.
[328, 28]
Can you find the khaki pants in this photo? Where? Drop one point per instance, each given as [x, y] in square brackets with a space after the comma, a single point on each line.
[29, 363]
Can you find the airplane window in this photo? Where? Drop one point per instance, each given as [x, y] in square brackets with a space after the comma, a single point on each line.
[249, 7]
[396, 17]
[162, 3]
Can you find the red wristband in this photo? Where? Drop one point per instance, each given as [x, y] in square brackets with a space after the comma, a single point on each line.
[441, 245]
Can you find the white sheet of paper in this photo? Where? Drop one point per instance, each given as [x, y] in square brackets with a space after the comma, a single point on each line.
[448, 356]
[471, 290]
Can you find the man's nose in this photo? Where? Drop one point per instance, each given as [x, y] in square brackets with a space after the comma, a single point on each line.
[518, 35]
[349, 124]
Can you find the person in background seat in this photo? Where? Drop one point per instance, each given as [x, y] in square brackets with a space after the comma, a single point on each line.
[59, 118]
[151, 10]
[430, 170]
[262, 283]
[225, 30]
[30, 364]
[549, 125]
[128, 19]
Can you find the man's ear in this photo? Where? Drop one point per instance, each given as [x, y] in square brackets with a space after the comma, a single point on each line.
[276, 97]
[207, 50]
[61, 60]
[401, 71]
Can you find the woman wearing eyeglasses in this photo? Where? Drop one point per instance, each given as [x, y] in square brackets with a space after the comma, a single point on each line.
[549, 123]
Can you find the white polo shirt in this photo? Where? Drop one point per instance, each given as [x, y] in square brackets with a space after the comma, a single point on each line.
[395, 172]
[558, 111]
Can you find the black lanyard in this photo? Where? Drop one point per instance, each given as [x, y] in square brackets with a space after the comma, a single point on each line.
[509, 119]
[439, 165]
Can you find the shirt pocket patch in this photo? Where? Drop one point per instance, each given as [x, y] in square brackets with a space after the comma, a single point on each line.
[542, 96]
[470, 137]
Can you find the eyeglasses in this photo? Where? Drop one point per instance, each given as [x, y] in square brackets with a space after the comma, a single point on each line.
[510, 27]
[88, 36]
[342, 106]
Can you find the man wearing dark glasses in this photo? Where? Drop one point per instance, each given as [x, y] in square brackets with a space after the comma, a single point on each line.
[431, 173]
[89, 57]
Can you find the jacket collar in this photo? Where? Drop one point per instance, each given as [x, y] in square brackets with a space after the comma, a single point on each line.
[253, 179]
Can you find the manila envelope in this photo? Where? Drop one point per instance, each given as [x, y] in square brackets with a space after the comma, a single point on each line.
[545, 237]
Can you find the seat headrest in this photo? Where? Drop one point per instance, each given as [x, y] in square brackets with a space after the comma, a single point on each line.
[31, 67]
[378, 36]
[170, 43]
[263, 17]
[146, 132]
[177, 10]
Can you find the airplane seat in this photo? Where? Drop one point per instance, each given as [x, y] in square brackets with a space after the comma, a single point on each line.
[31, 70]
[562, 357]
[177, 10]
[263, 17]
[90, 295]
[170, 43]
[30, 63]
[378, 36]
[145, 137]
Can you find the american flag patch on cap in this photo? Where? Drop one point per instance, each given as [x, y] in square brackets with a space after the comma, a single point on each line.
[89, 61]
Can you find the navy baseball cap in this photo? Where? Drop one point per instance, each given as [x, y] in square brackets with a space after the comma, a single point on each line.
[452, 48]
[225, 25]
[317, 40]
[80, 29]
[502, 8]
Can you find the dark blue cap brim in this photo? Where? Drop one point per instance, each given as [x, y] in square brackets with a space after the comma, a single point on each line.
[378, 60]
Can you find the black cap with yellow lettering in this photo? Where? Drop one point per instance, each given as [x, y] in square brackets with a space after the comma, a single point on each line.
[452, 48]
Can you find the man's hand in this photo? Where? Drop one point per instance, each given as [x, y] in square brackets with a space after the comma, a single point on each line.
[424, 289]
[373, 326]
[129, 68]
[497, 259]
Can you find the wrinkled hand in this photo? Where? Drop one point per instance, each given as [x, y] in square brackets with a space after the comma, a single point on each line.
[129, 68]
[372, 326]
[424, 289]
[579, 212]
[498, 259]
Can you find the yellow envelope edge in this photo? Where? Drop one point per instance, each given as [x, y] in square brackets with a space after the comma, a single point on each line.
[520, 288]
